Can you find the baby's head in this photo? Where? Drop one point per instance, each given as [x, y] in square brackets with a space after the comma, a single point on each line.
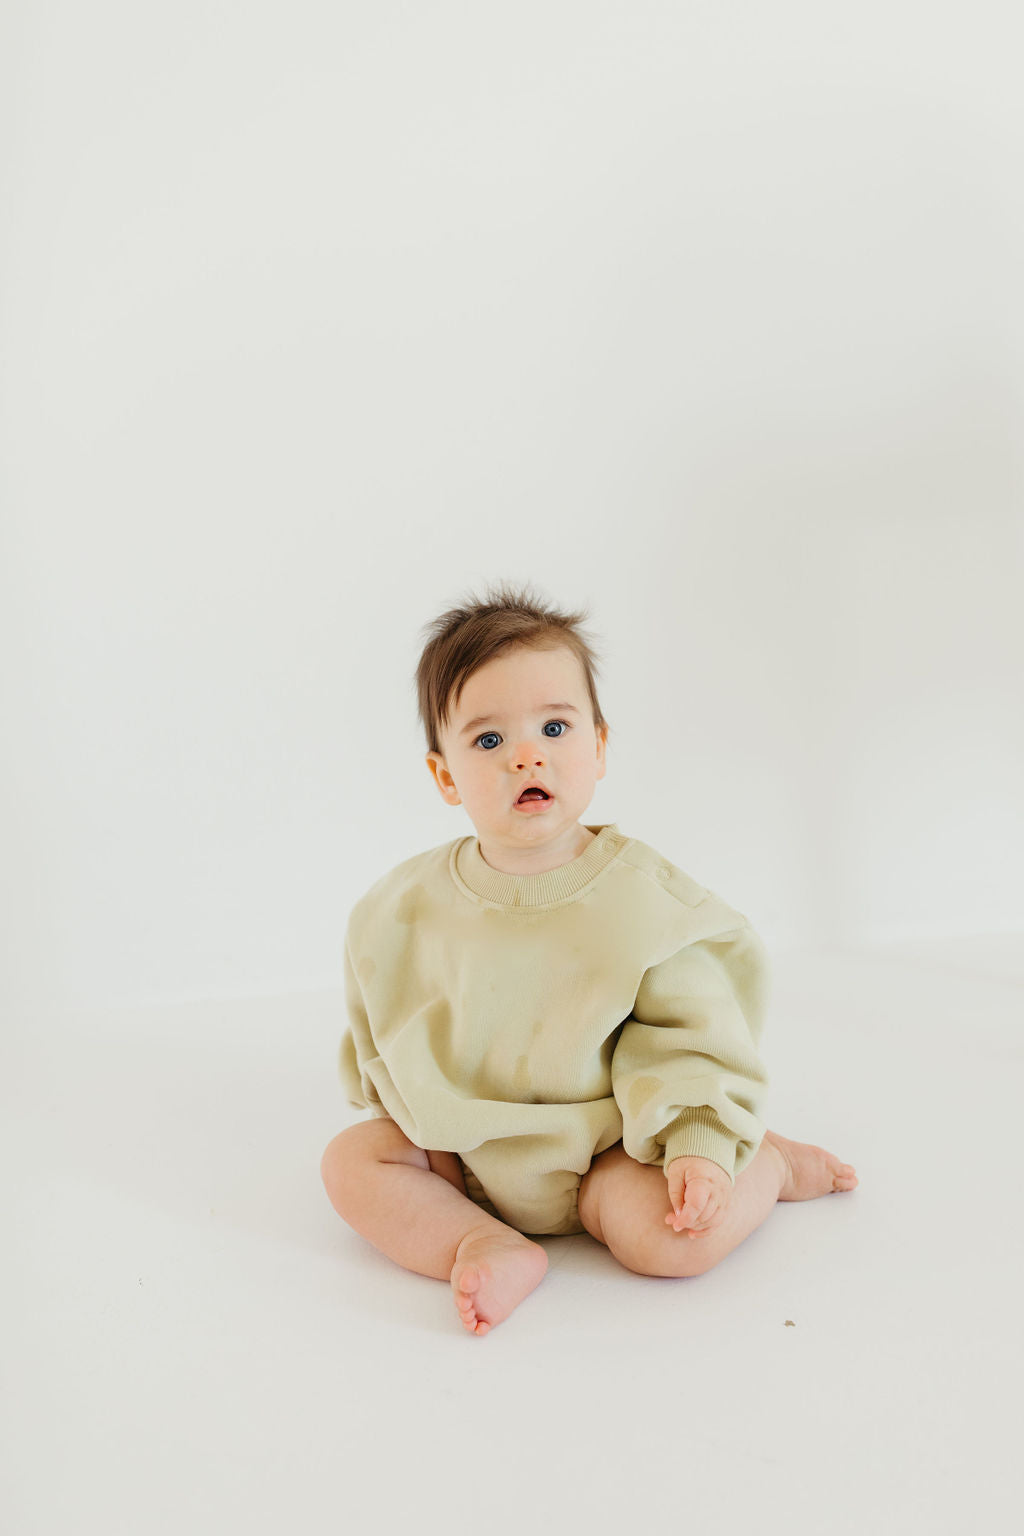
[507, 696]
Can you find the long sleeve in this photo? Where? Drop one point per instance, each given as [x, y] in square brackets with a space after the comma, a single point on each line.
[357, 1046]
[686, 1073]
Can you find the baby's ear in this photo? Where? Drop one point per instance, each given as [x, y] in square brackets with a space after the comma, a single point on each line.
[443, 779]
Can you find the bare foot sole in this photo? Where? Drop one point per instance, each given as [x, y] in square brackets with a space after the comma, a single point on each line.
[810, 1170]
[492, 1273]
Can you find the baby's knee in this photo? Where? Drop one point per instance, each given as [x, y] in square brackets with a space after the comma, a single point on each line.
[378, 1140]
[336, 1156]
[674, 1257]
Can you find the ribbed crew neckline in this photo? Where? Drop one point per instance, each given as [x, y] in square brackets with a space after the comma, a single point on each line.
[476, 878]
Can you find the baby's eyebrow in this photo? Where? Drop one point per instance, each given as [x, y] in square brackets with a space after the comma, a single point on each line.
[484, 719]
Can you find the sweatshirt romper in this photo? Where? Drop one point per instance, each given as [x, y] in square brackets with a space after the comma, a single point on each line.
[529, 1022]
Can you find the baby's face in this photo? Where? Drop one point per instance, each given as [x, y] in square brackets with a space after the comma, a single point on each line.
[524, 716]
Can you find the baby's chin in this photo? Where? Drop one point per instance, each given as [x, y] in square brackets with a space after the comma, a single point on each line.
[538, 818]
[557, 828]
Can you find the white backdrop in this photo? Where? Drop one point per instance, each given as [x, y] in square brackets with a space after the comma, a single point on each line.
[315, 318]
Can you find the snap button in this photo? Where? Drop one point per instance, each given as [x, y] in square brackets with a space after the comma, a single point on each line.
[664, 872]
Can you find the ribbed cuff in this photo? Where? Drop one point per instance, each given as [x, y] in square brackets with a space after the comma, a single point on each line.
[698, 1133]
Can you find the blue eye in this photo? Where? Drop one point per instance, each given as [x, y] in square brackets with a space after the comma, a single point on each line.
[486, 734]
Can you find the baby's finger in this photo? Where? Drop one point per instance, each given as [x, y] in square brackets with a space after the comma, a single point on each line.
[710, 1218]
[703, 1231]
[698, 1192]
[692, 1213]
[689, 1216]
[720, 1214]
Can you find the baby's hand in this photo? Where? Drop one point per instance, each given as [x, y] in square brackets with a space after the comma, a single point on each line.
[699, 1191]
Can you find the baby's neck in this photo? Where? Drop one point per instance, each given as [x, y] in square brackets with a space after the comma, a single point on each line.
[544, 863]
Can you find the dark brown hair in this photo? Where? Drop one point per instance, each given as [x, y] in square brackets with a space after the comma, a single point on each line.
[466, 637]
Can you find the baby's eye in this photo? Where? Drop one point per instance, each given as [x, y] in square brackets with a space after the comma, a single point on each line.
[488, 734]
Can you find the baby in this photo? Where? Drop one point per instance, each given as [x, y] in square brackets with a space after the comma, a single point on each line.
[554, 1027]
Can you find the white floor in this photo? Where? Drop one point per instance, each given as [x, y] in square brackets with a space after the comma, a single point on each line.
[196, 1343]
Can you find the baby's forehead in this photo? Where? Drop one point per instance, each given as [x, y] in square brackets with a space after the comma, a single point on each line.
[544, 674]
[534, 679]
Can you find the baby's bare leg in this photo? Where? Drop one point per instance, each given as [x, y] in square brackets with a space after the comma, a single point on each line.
[625, 1204]
[383, 1186]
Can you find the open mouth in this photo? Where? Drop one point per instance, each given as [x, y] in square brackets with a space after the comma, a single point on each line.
[534, 797]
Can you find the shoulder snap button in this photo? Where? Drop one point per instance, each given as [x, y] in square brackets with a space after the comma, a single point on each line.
[664, 872]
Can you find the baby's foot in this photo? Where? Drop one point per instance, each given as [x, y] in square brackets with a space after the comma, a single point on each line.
[810, 1170]
[492, 1273]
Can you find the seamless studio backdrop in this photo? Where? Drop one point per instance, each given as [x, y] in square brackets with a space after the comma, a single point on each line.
[313, 320]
